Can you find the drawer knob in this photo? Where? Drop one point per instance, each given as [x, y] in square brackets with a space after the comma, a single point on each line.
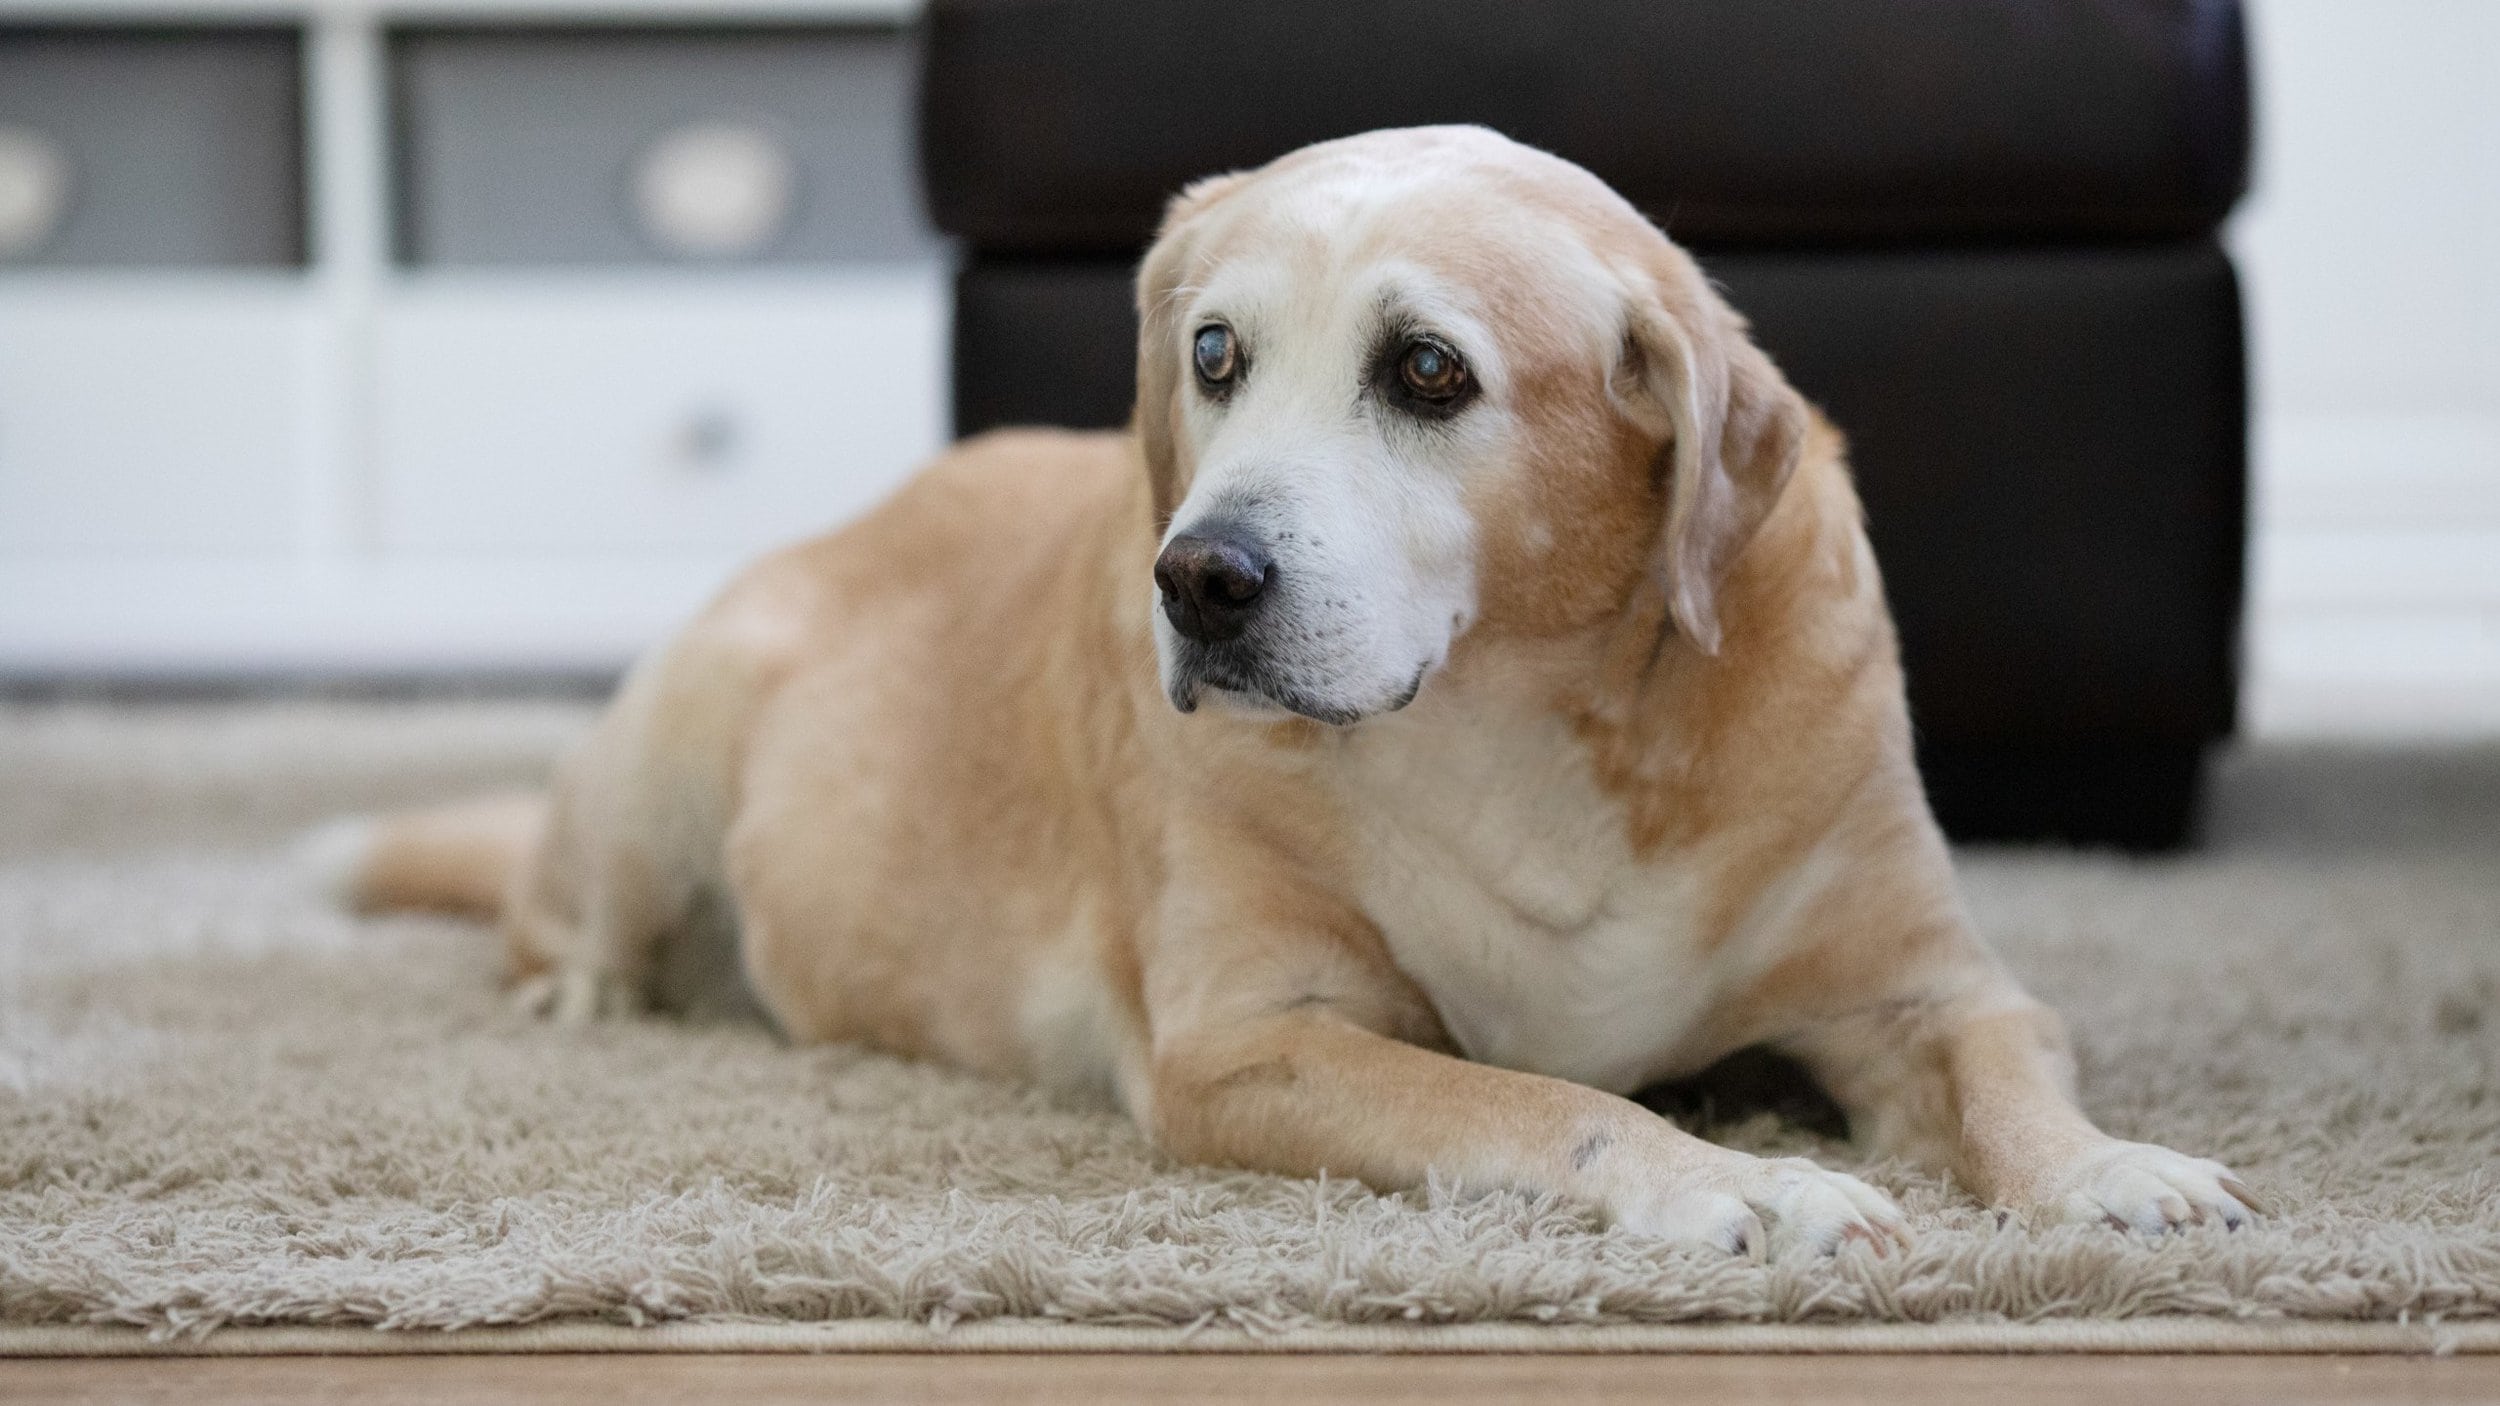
[34, 190]
[707, 441]
[715, 190]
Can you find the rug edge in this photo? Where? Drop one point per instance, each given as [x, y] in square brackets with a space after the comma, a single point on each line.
[2104, 1336]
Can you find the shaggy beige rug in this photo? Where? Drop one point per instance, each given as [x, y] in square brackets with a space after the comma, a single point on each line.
[224, 1105]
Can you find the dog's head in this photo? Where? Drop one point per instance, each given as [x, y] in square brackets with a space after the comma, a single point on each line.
[1410, 385]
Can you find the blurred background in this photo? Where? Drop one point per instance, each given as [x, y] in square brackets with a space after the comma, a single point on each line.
[406, 340]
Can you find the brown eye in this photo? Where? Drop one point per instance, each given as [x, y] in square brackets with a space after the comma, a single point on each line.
[1218, 356]
[1432, 371]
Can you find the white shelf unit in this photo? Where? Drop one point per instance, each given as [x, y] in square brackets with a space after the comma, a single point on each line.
[365, 465]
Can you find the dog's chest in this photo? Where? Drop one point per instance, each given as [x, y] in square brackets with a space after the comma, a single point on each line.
[1502, 877]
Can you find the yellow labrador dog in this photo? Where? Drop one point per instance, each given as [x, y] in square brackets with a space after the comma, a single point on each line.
[1464, 696]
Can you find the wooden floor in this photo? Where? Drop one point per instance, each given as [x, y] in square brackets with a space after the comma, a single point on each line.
[1302, 1381]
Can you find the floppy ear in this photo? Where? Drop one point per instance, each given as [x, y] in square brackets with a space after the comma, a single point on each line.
[1159, 350]
[1737, 429]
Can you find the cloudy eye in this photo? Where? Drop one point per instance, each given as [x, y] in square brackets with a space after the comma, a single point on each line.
[1217, 354]
[1432, 372]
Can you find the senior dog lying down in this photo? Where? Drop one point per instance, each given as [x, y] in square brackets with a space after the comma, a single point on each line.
[1464, 696]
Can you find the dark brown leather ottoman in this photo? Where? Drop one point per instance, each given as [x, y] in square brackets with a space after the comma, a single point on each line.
[1980, 233]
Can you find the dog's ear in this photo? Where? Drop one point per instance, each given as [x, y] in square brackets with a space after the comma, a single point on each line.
[1735, 430]
[1159, 342]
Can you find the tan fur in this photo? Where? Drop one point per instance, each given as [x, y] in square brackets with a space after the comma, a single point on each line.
[928, 763]
[460, 858]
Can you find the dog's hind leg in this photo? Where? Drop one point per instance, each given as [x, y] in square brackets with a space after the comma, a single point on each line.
[632, 841]
[586, 915]
[632, 856]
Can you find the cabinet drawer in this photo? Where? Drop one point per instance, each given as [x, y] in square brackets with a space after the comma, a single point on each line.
[170, 147]
[732, 415]
[137, 419]
[576, 145]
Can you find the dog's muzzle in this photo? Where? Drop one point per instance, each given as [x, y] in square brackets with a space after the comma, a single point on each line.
[1237, 626]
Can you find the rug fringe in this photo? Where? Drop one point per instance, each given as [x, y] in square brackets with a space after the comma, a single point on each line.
[2124, 1336]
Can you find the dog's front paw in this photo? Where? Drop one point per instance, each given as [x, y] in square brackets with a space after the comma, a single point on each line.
[2151, 1190]
[577, 996]
[1773, 1207]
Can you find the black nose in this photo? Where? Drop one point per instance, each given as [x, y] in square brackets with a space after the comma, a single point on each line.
[1212, 585]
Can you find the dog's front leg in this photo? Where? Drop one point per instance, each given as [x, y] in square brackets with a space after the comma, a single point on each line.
[1276, 1047]
[1975, 1077]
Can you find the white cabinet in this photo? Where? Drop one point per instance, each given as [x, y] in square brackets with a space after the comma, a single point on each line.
[159, 416]
[576, 415]
[540, 472]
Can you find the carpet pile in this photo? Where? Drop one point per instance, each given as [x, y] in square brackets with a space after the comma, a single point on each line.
[223, 1104]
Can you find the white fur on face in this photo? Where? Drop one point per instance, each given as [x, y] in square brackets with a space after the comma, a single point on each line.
[1360, 504]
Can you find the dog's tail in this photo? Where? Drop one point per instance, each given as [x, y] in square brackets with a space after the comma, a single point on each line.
[460, 858]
